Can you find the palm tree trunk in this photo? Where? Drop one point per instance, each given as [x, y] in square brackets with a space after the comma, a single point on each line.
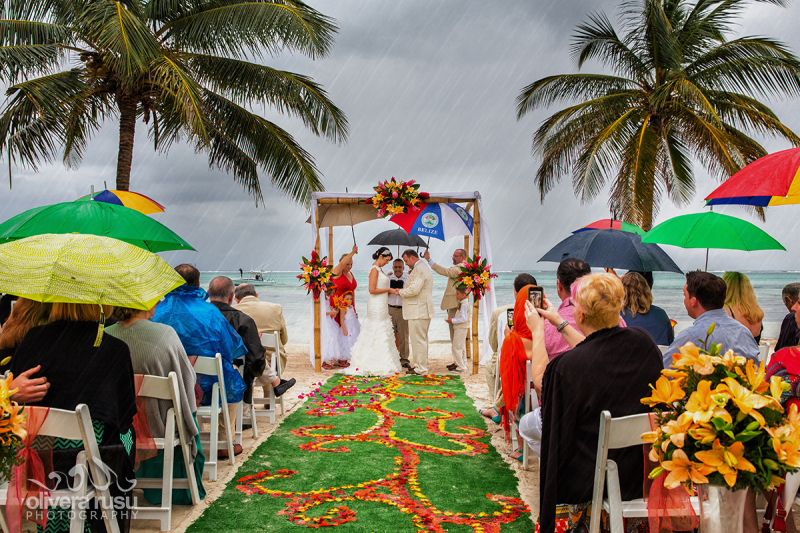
[127, 132]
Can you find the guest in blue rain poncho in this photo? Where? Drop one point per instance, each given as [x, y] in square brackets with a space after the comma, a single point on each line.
[205, 332]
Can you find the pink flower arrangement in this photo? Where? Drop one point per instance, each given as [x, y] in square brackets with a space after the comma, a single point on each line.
[476, 277]
[396, 197]
[316, 274]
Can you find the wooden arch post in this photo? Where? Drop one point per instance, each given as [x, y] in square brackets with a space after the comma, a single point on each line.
[472, 204]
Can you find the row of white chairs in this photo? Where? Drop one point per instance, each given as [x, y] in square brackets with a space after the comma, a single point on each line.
[77, 425]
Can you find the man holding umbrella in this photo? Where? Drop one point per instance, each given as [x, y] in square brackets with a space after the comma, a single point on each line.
[449, 300]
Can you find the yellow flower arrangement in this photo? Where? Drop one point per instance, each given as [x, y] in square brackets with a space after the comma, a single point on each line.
[12, 426]
[719, 421]
[394, 197]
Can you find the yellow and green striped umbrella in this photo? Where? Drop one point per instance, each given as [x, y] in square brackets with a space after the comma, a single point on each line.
[77, 268]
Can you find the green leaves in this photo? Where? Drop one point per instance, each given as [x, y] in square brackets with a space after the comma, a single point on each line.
[166, 61]
[680, 86]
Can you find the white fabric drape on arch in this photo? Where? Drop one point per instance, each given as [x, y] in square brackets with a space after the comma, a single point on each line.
[488, 303]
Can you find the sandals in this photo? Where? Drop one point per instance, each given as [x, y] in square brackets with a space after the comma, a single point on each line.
[326, 366]
[495, 419]
[343, 363]
[520, 458]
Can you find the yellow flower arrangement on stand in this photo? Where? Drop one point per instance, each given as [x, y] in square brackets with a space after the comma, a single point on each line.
[719, 422]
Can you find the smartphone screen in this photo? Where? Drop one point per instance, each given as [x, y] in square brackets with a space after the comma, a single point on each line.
[536, 297]
[510, 317]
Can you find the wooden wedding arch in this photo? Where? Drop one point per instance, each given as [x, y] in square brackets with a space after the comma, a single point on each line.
[329, 210]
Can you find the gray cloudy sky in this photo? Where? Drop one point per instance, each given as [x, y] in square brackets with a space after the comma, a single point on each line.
[429, 89]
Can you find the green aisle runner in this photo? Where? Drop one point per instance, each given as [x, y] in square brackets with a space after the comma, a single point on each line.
[406, 453]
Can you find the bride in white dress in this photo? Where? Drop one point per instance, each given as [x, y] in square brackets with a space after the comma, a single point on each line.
[375, 352]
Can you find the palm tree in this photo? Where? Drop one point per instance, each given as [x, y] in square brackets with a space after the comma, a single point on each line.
[680, 89]
[179, 65]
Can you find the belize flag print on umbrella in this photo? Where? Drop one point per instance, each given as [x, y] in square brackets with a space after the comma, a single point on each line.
[440, 221]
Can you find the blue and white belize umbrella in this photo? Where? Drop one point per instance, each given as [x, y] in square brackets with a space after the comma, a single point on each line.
[440, 221]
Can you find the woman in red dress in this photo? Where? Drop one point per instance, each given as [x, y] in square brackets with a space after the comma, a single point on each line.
[345, 281]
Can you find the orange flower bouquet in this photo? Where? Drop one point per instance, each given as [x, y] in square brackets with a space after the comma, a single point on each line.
[12, 427]
[720, 422]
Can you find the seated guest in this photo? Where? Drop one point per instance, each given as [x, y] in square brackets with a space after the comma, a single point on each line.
[204, 332]
[497, 334]
[99, 374]
[704, 297]
[638, 309]
[26, 314]
[156, 350]
[267, 316]
[741, 303]
[220, 293]
[568, 271]
[790, 332]
[611, 369]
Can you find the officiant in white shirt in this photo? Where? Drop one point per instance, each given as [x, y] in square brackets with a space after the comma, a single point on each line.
[397, 280]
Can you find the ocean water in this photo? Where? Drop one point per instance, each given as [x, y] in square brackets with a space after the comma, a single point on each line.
[667, 293]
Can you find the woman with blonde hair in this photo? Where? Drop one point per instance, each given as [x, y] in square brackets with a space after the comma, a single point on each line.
[25, 315]
[741, 303]
[638, 309]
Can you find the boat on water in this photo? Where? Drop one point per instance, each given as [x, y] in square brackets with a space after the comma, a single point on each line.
[257, 278]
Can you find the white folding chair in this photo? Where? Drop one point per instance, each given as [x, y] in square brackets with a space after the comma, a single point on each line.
[219, 404]
[531, 403]
[616, 433]
[75, 425]
[271, 340]
[252, 419]
[765, 352]
[166, 388]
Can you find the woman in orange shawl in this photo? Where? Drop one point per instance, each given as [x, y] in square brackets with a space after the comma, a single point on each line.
[517, 349]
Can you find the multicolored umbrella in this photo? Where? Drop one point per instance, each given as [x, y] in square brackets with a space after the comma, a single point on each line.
[440, 221]
[771, 180]
[608, 223]
[85, 269]
[94, 218]
[712, 230]
[133, 200]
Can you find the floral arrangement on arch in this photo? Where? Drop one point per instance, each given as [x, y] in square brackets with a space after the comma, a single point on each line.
[12, 427]
[316, 276]
[720, 422]
[476, 276]
[396, 197]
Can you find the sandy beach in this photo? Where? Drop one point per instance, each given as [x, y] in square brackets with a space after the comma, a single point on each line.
[300, 369]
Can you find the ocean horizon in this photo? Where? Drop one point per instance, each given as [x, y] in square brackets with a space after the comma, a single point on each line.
[667, 294]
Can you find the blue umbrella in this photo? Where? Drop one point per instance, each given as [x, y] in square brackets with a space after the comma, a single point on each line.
[608, 248]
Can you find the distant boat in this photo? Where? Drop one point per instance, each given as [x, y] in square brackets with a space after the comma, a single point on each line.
[258, 278]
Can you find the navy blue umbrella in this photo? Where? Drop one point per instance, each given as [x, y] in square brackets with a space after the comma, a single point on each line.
[609, 248]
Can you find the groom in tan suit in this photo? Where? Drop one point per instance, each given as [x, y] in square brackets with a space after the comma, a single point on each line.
[418, 309]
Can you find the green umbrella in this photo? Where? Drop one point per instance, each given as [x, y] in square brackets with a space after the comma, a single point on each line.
[94, 218]
[712, 230]
[85, 269]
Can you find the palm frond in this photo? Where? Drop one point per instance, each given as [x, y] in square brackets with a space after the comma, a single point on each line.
[597, 39]
[251, 29]
[129, 44]
[17, 62]
[290, 168]
[184, 92]
[552, 89]
[290, 93]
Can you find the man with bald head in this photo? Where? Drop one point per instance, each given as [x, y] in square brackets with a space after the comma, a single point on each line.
[221, 293]
[449, 300]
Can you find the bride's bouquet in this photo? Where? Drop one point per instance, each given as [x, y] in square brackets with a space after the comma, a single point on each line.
[396, 197]
[316, 275]
[476, 277]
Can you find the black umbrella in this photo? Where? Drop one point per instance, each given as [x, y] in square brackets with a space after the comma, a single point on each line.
[609, 248]
[398, 237]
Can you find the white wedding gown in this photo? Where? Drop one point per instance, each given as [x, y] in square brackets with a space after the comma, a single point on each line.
[375, 352]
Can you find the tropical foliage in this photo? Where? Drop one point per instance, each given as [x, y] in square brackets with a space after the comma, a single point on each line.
[475, 277]
[316, 274]
[12, 427]
[182, 66]
[720, 422]
[680, 89]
